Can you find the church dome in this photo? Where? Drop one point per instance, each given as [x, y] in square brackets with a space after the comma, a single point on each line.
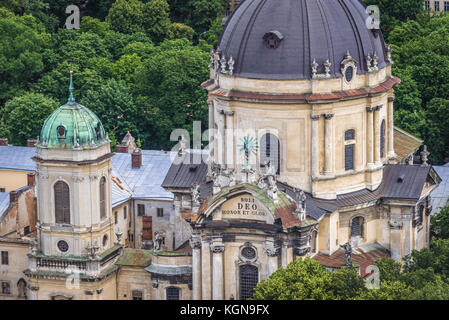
[72, 126]
[280, 39]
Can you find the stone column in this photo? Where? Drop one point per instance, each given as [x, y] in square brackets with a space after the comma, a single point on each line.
[221, 138]
[205, 271]
[229, 151]
[376, 135]
[370, 137]
[315, 147]
[272, 254]
[328, 150]
[390, 143]
[284, 255]
[195, 243]
[211, 133]
[217, 250]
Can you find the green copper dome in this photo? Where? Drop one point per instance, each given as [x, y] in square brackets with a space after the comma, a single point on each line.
[72, 126]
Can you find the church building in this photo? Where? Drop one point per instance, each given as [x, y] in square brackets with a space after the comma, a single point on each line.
[304, 160]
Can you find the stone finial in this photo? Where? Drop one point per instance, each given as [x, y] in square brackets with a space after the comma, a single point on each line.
[424, 156]
[119, 234]
[327, 67]
[216, 60]
[348, 55]
[223, 63]
[369, 61]
[182, 145]
[231, 65]
[314, 66]
[375, 60]
[389, 50]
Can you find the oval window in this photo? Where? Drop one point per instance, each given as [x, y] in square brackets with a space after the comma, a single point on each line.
[63, 246]
[248, 253]
[349, 73]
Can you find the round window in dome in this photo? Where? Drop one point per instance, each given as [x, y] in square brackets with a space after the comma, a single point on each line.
[349, 73]
[63, 246]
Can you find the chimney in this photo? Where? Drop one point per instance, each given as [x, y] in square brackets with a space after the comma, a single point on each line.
[31, 178]
[120, 148]
[3, 141]
[31, 142]
[136, 158]
[13, 196]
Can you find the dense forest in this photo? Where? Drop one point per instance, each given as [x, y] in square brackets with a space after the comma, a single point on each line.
[138, 65]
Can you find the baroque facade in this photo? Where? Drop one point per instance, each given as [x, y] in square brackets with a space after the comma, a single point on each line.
[304, 161]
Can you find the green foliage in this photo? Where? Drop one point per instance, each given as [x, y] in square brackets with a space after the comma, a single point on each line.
[301, 280]
[22, 44]
[348, 284]
[436, 258]
[93, 25]
[126, 16]
[170, 96]
[23, 116]
[389, 290]
[156, 20]
[113, 103]
[394, 12]
[390, 270]
[198, 14]
[439, 224]
[421, 57]
[179, 31]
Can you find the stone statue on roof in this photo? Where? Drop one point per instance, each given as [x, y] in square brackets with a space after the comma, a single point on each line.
[196, 194]
[348, 250]
[157, 241]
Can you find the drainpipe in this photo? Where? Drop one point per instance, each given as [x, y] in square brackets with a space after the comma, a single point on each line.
[134, 223]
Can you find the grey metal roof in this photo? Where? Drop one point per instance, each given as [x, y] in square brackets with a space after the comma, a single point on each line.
[186, 170]
[312, 29]
[169, 270]
[404, 181]
[4, 202]
[17, 158]
[144, 182]
[440, 195]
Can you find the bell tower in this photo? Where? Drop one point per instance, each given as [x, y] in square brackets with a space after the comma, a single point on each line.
[75, 225]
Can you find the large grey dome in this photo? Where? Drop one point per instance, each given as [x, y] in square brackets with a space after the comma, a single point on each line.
[308, 29]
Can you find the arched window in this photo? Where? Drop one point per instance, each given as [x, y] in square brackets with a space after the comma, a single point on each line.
[249, 277]
[103, 198]
[349, 149]
[22, 288]
[172, 293]
[357, 227]
[62, 202]
[382, 139]
[270, 151]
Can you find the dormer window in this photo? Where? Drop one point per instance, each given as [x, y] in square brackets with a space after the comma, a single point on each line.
[61, 132]
[98, 130]
[273, 39]
[348, 68]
